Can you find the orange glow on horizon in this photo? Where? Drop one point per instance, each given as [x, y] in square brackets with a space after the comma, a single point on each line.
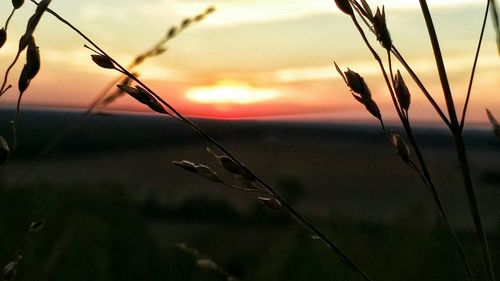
[231, 92]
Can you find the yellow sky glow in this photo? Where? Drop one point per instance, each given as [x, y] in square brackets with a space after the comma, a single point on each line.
[230, 92]
[253, 55]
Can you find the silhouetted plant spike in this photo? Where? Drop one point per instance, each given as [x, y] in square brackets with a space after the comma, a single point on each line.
[111, 93]
[3, 37]
[401, 100]
[288, 209]
[206, 263]
[402, 92]
[26, 38]
[496, 22]
[494, 123]
[241, 183]
[245, 179]
[4, 152]
[380, 27]
[360, 91]
[142, 96]
[201, 170]
[9, 271]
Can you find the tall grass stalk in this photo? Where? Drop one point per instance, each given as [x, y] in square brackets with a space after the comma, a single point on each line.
[457, 132]
[376, 24]
[106, 61]
[110, 92]
[365, 13]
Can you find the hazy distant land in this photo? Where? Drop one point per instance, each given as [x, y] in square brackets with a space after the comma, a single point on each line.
[344, 171]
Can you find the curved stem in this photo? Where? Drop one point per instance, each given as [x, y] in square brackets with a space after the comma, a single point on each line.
[427, 179]
[9, 18]
[422, 87]
[408, 68]
[381, 65]
[473, 71]
[456, 131]
[287, 208]
[425, 175]
[6, 76]
[443, 77]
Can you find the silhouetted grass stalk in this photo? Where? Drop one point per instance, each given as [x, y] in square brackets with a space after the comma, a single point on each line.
[457, 132]
[380, 30]
[286, 207]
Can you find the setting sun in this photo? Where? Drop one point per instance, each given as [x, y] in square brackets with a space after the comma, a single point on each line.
[230, 92]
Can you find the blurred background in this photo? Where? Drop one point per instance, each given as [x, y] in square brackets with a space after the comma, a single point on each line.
[259, 77]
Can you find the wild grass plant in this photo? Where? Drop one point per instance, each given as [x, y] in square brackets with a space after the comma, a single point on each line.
[234, 174]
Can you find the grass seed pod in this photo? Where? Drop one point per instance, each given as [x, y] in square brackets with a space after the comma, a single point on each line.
[17, 3]
[103, 61]
[32, 58]
[4, 151]
[270, 203]
[207, 264]
[141, 95]
[380, 28]
[402, 92]
[3, 37]
[402, 148]
[36, 227]
[24, 80]
[344, 6]
[9, 271]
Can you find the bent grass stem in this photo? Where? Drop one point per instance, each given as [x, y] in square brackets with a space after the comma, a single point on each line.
[287, 208]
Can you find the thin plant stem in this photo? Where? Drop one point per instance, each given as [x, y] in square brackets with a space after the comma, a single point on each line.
[496, 22]
[424, 174]
[443, 76]
[4, 89]
[457, 132]
[421, 85]
[407, 67]
[9, 18]
[381, 65]
[464, 166]
[473, 71]
[287, 208]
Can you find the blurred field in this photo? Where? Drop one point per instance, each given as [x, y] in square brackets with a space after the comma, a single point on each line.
[115, 205]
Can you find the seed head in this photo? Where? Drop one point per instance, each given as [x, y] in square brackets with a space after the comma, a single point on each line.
[381, 31]
[344, 6]
[402, 92]
[494, 123]
[144, 97]
[357, 84]
[270, 203]
[36, 227]
[9, 271]
[3, 37]
[103, 61]
[24, 80]
[207, 264]
[32, 58]
[367, 10]
[172, 32]
[201, 170]
[17, 3]
[402, 148]
[4, 151]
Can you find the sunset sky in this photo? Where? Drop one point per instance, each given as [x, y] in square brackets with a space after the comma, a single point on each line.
[253, 58]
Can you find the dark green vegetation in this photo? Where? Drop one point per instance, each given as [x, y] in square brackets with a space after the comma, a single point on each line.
[112, 215]
[106, 233]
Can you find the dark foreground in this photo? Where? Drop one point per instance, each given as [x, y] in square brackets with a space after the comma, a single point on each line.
[115, 207]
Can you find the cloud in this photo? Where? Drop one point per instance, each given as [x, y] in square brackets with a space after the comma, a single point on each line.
[234, 12]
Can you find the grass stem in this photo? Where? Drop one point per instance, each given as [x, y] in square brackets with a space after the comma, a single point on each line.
[473, 71]
[287, 208]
